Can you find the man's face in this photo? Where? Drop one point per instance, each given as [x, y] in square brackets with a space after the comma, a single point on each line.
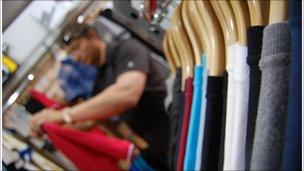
[84, 50]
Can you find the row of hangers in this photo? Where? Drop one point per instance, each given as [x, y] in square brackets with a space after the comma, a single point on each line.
[210, 27]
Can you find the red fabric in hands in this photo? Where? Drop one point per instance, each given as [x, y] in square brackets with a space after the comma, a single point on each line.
[92, 150]
[45, 101]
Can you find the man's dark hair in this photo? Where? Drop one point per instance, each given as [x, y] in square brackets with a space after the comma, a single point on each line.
[74, 31]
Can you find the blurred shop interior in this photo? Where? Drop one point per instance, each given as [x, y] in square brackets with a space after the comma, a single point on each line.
[210, 85]
[31, 61]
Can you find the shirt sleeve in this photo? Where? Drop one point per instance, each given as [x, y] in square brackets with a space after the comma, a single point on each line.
[131, 55]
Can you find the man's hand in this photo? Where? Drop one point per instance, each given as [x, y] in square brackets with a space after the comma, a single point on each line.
[46, 115]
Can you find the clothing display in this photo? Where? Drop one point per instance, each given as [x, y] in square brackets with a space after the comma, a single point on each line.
[271, 119]
[222, 145]
[185, 124]
[176, 111]
[229, 107]
[212, 131]
[154, 86]
[241, 94]
[255, 40]
[97, 150]
[18, 120]
[194, 122]
[76, 79]
[192, 135]
[292, 149]
[202, 114]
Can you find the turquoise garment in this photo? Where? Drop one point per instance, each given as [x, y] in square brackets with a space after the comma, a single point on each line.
[202, 117]
[192, 139]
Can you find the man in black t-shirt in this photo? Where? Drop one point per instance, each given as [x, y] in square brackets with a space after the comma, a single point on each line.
[130, 85]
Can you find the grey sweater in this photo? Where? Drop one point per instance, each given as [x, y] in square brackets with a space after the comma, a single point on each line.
[270, 124]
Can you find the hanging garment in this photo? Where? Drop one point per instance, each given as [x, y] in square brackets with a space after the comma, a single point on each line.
[222, 145]
[185, 125]
[180, 129]
[255, 40]
[194, 122]
[229, 107]
[176, 111]
[292, 150]
[270, 123]
[89, 150]
[241, 94]
[202, 114]
[77, 79]
[213, 123]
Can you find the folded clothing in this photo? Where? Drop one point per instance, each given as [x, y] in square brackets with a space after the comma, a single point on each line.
[77, 79]
[90, 150]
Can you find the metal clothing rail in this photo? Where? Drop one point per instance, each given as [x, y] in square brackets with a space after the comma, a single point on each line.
[123, 14]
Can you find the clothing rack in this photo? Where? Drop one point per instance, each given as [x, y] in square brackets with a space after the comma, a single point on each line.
[229, 110]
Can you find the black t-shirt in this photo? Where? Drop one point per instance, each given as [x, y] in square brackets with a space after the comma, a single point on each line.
[128, 55]
[213, 124]
[148, 119]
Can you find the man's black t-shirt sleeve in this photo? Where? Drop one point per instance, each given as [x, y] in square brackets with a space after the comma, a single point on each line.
[131, 55]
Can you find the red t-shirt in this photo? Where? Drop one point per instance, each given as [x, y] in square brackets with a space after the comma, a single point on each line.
[186, 118]
[91, 150]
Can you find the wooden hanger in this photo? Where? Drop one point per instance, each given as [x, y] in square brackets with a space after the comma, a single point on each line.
[182, 43]
[241, 13]
[199, 26]
[278, 11]
[258, 12]
[193, 37]
[225, 15]
[168, 55]
[173, 50]
[215, 36]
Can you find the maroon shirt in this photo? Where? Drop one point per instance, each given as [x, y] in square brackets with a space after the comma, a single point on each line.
[186, 118]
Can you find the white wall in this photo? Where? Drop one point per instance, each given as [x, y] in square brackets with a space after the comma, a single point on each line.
[26, 32]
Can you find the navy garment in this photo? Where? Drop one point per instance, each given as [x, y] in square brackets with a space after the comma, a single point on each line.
[255, 41]
[213, 124]
[176, 113]
[77, 79]
[224, 92]
[292, 150]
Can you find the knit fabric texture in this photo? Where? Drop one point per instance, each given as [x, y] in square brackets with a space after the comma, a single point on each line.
[255, 40]
[241, 93]
[292, 151]
[213, 123]
[270, 124]
[229, 108]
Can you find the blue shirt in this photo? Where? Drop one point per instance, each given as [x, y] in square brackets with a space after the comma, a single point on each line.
[192, 139]
[202, 117]
[77, 79]
[293, 145]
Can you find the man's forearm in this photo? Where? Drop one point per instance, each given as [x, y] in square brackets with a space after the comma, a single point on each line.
[113, 100]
